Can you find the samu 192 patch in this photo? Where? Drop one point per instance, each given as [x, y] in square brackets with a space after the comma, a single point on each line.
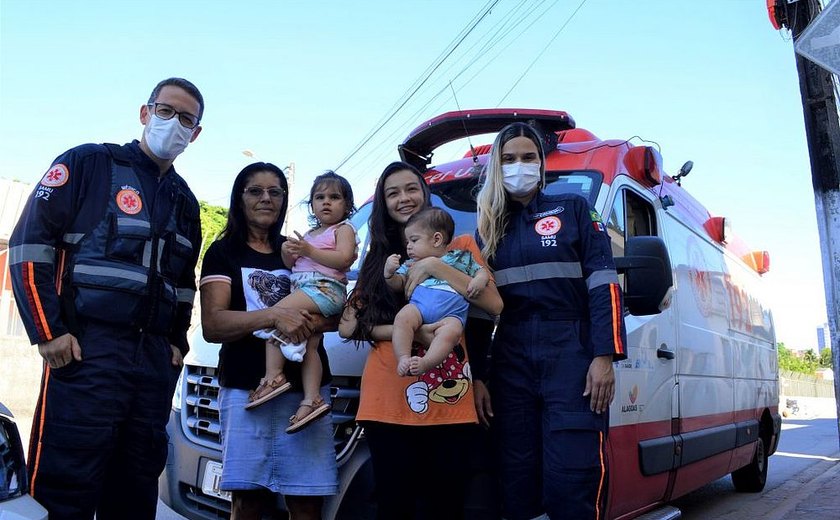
[56, 176]
[128, 200]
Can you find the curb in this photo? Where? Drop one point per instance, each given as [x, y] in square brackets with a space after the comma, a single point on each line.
[818, 476]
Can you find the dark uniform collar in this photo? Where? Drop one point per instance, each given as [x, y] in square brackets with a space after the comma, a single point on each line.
[143, 162]
[515, 206]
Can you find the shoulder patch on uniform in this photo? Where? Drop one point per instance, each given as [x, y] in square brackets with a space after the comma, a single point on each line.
[128, 200]
[548, 226]
[56, 176]
[594, 215]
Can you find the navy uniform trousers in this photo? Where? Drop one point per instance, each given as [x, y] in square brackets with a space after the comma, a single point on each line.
[99, 439]
[552, 447]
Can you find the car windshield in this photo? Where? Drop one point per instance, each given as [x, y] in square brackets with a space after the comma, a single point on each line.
[458, 198]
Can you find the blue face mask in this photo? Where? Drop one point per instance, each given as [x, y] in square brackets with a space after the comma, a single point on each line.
[520, 178]
[167, 138]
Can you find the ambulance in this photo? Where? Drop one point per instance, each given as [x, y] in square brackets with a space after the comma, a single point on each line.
[697, 397]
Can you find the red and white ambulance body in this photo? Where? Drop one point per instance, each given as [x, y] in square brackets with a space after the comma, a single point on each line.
[697, 397]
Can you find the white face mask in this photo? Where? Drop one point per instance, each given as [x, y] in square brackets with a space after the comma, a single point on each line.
[167, 138]
[520, 178]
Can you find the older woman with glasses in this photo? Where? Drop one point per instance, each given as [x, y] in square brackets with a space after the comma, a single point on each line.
[242, 277]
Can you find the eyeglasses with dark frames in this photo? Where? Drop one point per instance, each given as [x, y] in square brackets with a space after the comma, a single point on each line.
[164, 111]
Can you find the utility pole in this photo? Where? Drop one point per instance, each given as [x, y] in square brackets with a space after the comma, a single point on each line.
[290, 180]
[816, 85]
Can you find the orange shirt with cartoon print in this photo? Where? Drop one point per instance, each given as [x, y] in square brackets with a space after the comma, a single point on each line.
[443, 395]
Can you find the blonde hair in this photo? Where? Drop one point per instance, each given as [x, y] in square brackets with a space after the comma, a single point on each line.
[492, 198]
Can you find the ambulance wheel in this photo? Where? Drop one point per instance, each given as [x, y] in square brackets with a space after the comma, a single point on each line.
[752, 477]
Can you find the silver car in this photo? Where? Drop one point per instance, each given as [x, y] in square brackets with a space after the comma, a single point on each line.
[15, 502]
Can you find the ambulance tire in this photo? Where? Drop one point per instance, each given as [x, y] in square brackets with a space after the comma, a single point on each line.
[752, 477]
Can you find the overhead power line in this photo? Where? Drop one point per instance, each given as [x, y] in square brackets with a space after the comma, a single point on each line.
[427, 74]
[547, 45]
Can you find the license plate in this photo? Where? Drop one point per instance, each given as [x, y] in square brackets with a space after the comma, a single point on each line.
[212, 478]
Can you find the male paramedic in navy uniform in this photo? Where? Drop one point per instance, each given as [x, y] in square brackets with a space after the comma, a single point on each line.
[103, 268]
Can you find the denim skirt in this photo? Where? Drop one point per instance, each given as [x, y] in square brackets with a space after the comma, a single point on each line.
[257, 453]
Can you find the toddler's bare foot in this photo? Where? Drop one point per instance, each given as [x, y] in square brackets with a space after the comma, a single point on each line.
[418, 365]
[403, 365]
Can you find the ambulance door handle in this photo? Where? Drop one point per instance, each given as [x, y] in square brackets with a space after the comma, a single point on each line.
[663, 352]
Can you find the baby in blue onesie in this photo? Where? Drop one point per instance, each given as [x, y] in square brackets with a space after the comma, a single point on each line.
[428, 233]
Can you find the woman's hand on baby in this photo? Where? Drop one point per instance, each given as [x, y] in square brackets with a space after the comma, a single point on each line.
[426, 333]
[419, 272]
[293, 325]
[477, 284]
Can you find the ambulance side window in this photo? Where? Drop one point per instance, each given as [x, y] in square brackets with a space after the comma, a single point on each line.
[631, 216]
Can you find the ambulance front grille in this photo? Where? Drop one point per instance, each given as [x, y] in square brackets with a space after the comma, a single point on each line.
[201, 409]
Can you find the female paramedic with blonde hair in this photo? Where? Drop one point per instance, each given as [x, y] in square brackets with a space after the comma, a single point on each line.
[551, 375]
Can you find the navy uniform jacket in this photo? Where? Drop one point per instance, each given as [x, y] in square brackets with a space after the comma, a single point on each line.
[555, 262]
[72, 199]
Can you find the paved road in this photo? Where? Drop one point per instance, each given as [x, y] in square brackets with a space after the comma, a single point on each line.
[808, 448]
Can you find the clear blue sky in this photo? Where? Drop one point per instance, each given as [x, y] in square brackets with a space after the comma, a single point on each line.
[305, 82]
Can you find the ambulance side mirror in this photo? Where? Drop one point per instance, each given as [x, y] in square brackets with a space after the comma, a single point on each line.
[647, 273]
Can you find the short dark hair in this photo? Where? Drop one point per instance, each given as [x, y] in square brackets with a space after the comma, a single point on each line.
[184, 84]
[435, 220]
[330, 178]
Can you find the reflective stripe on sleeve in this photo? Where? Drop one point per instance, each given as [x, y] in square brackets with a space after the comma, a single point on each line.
[617, 315]
[38, 253]
[602, 277]
[541, 271]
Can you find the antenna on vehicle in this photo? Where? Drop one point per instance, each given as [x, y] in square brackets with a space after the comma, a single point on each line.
[466, 132]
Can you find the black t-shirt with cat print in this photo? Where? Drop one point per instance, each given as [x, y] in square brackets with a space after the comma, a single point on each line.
[257, 280]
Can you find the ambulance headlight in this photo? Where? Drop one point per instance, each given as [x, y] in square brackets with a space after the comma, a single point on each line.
[176, 397]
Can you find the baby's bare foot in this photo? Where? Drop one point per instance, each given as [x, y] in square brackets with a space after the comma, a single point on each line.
[418, 365]
[403, 365]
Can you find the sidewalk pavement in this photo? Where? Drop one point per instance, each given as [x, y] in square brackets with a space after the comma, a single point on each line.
[818, 497]
[814, 493]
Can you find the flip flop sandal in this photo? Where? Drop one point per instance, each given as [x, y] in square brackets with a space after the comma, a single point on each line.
[317, 408]
[268, 389]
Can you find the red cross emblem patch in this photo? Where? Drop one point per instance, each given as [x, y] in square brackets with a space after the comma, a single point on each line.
[129, 201]
[56, 176]
[547, 226]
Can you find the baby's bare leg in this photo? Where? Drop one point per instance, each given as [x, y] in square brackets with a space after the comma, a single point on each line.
[311, 369]
[446, 337]
[406, 323]
[274, 361]
[295, 300]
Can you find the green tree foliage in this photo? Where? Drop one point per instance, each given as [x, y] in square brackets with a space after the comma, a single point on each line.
[788, 360]
[213, 219]
[825, 358]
